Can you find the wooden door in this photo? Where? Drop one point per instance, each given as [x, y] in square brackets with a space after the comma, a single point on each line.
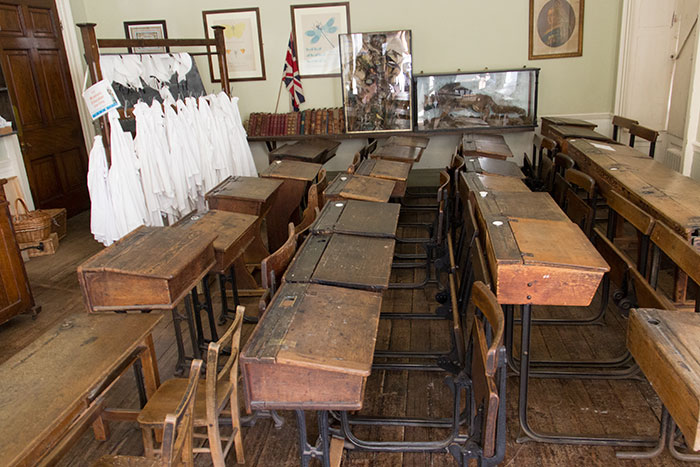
[36, 71]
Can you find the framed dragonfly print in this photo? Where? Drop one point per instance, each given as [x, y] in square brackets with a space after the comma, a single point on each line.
[316, 28]
[556, 29]
[244, 46]
[376, 77]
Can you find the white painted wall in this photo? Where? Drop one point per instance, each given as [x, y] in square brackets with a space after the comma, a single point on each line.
[447, 36]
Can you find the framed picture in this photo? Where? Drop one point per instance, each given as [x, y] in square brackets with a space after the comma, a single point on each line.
[316, 29]
[376, 75]
[481, 99]
[556, 29]
[153, 29]
[244, 45]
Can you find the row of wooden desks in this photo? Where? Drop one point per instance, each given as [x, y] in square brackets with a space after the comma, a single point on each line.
[317, 151]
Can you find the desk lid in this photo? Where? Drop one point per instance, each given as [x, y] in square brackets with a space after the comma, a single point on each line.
[246, 188]
[358, 218]
[291, 169]
[228, 226]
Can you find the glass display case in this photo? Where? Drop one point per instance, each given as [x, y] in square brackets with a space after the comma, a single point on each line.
[482, 99]
[376, 73]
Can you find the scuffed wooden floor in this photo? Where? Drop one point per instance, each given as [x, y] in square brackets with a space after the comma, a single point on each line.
[591, 407]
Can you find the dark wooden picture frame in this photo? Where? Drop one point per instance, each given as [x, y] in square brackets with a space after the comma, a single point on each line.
[299, 50]
[155, 22]
[556, 12]
[210, 16]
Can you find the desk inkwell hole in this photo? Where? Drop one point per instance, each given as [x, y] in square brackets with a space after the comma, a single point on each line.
[653, 321]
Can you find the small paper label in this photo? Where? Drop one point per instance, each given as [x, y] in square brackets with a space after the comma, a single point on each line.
[100, 99]
[603, 146]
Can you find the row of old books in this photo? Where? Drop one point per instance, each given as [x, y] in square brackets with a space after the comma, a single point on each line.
[307, 122]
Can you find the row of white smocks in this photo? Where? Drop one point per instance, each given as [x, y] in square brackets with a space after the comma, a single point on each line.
[155, 70]
[181, 151]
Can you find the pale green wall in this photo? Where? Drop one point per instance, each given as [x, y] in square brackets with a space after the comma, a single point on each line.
[447, 35]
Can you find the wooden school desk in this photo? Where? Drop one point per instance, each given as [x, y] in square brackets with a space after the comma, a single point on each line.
[415, 141]
[665, 346]
[387, 170]
[312, 350]
[296, 177]
[536, 256]
[398, 153]
[362, 218]
[152, 268]
[235, 232]
[247, 195]
[482, 183]
[55, 388]
[316, 150]
[548, 121]
[490, 166]
[343, 260]
[485, 145]
[661, 192]
[562, 133]
[348, 186]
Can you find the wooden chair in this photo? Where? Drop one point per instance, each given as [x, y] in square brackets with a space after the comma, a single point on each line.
[679, 250]
[541, 146]
[220, 390]
[272, 268]
[560, 188]
[579, 212]
[368, 149]
[321, 185]
[621, 122]
[310, 212]
[176, 448]
[619, 207]
[546, 170]
[356, 161]
[644, 133]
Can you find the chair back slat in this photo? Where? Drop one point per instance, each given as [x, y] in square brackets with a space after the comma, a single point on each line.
[580, 212]
[616, 259]
[581, 181]
[678, 249]
[641, 221]
[276, 263]
[645, 296]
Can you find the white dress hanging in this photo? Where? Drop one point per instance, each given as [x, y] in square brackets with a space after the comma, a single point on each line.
[218, 140]
[242, 152]
[101, 211]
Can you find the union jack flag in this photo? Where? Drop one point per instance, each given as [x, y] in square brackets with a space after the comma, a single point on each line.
[291, 76]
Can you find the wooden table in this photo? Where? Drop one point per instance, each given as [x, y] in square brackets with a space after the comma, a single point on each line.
[665, 346]
[317, 150]
[387, 170]
[53, 389]
[235, 232]
[485, 145]
[398, 153]
[663, 193]
[490, 166]
[247, 195]
[152, 268]
[415, 141]
[296, 177]
[548, 121]
[343, 260]
[563, 133]
[354, 217]
[312, 350]
[347, 186]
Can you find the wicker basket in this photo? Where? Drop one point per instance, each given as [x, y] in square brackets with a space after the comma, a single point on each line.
[31, 226]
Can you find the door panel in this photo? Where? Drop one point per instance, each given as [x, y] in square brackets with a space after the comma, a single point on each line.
[36, 70]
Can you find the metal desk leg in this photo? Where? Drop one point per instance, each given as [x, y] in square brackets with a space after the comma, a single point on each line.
[322, 449]
[196, 308]
[181, 364]
[532, 435]
[663, 434]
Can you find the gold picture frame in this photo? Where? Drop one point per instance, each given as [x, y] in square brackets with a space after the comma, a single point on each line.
[556, 29]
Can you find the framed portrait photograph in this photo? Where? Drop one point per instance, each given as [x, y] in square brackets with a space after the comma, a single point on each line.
[244, 46]
[377, 85]
[316, 29]
[556, 29]
[153, 29]
[480, 99]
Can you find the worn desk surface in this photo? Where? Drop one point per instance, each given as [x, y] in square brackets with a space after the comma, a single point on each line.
[388, 170]
[665, 345]
[317, 150]
[563, 133]
[488, 165]
[548, 121]
[398, 153]
[313, 349]
[343, 260]
[234, 231]
[291, 170]
[485, 183]
[485, 145]
[151, 268]
[57, 382]
[296, 177]
[347, 186]
[358, 218]
[662, 192]
[247, 195]
[415, 141]
[536, 255]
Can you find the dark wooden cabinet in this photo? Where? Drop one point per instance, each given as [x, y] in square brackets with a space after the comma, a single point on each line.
[15, 294]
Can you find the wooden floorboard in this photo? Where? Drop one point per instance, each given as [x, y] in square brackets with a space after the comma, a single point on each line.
[593, 407]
